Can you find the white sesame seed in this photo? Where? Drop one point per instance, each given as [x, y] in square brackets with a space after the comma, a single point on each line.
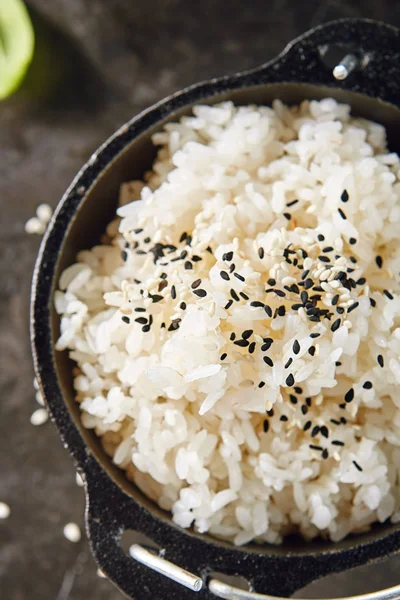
[39, 398]
[324, 275]
[39, 416]
[101, 574]
[34, 225]
[44, 213]
[78, 479]
[72, 532]
[5, 510]
[288, 280]
[335, 284]
[35, 383]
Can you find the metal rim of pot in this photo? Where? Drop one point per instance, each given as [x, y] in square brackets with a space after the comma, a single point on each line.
[357, 56]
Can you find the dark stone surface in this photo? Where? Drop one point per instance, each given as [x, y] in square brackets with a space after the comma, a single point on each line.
[97, 63]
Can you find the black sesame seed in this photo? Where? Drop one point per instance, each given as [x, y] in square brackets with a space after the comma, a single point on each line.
[162, 326]
[137, 231]
[290, 380]
[163, 276]
[341, 213]
[292, 203]
[349, 396]
[380, 360]
[335, 299]
[247, 333]
[343, 406]
[183, 254]
[183, 237]
[372, 302]
[324, 431]
[141, 320]
[234, 295]
[140, 252]
[294, 288]
[287, 216]
[268, 310]
[280, 293]
[315, 431]
[228, 304]
[173, 292]
[298, 390]
[337, 443]
[353, 259]
[268, 361]
[318, 288]
[241, 343]
[324, 259]
[156, 298]
[335, 325]
[304, 409]
[200, 293]
[293, 399]
[252, 347]
[146, 328]
[343, 420]
[327, 249]
[388, 294]
[271, 281]
[127, 320]
[296, 347]
[140, 309]
[281, 311]
[325, 454]
[209, 249]
[240, 277]
[289, 362]
[261, 253]
[353, 306]
[340, 310]
[196, 258]
[314, 335]
[296, 306]
[266, 426]
[124, 255]
[357, 466]
[196, 284]
[163, 284]
[308, 284]
[352, 241]
[379, 261]
[314, 447]
[232, 336]
[304, 274]
[311, 350]
[361, 281]
[307, 426]
[283, 418]
[261, 384]
[183, 305]
[321, 237]
[367, 385]
[304, 297]
[188, 265]
[223, 356]
[224, 275]
[232, 268]
[345, 196]
[244, 296]
[270, 412]
[257, 304]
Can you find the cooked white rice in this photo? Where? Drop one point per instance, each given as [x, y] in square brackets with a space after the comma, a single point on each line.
[231, 415]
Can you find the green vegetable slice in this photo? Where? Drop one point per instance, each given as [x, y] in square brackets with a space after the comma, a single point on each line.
[16, 45]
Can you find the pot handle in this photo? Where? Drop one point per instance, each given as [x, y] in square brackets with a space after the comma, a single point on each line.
[358, 55]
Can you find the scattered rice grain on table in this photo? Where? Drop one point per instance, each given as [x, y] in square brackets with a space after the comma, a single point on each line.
[237, 332]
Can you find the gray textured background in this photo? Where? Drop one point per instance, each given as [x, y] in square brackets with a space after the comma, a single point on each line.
[97, 63]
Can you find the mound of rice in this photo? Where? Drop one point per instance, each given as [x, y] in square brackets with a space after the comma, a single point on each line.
[237, 333]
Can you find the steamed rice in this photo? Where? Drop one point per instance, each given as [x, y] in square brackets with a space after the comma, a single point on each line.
[237, 336]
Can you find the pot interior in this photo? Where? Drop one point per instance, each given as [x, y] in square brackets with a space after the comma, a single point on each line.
[101, 200]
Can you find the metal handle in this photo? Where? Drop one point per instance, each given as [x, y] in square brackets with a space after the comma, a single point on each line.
[224, 590]
[366, 55]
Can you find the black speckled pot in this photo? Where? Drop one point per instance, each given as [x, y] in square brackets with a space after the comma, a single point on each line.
[113, 504]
